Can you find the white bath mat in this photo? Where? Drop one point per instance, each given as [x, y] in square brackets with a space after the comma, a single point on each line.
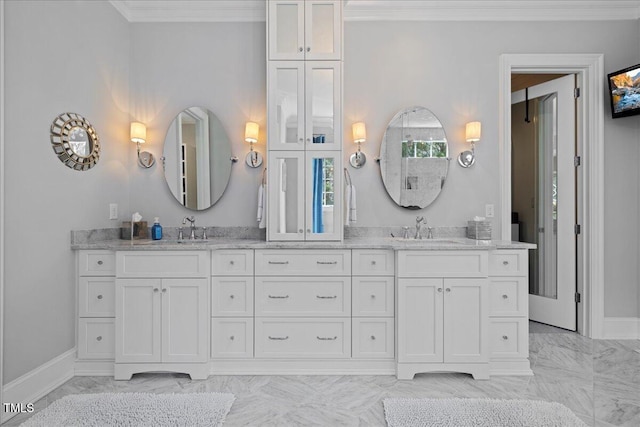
[135, 409]
[478, 413]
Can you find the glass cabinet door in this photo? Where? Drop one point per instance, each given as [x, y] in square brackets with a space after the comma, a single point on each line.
[323, 30]
[286, 29]
[286, 105]
[323, 127]
[324, 196]
[285, 204]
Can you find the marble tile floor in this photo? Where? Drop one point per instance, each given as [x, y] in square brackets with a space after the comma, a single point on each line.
[599, 380]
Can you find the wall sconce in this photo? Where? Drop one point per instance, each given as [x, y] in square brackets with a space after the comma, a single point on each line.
[251, 130]
[139, 136]
[473, 131]
[358, 159]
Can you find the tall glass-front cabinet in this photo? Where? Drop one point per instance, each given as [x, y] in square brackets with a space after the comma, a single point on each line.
[304, 114]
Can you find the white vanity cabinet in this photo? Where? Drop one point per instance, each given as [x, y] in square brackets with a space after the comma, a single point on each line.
[442, 312]
[304, 29]
[162, 312]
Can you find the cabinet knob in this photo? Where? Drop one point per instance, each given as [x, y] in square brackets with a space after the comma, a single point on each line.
[301, 231]
[439, 289]
[505, 262]
[308, 139]
[156, 290]
[231, 262]
[232, 296]
[100, 262]
[99, 338]
[164, 290]
[308, 230]
[373, 296]
[504, 337]
[232, 337]
[448, 289]
[308, 48]
[99, 297]
[301, 49]
[505, 296]
[373, 337]
[373, 263]
[301, 140]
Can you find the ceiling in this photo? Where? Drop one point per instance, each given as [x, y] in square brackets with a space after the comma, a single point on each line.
[393, 10]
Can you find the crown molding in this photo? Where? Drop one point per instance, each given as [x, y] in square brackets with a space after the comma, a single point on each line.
[388, 10]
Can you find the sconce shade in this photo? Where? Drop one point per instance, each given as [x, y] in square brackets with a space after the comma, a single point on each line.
[138, 132]
[251, 132]
[359, 132]
[473, 131]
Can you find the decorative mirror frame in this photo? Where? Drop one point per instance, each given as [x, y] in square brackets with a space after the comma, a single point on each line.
[60, 131]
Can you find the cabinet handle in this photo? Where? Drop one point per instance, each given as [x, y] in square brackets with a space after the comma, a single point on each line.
[505, 296]
[327, 262]
[504, 337]
[327, 338]
[323, 297]
[279, 338]
[439, 289]
[100, 262]
[156, 290]
[373, 337]
[448, 289]
[505, 262]
[232, 338]
[279, 262]
[278, 296]
[99, 338]
[99, 297]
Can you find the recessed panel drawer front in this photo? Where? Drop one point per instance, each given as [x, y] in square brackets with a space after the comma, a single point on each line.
[373, 338]
[508, 296]
[96, 339]
[508, 263]
[97, 297]
[162, 264]
[303, 338]
[314, 262]
[373, 296]
[234, 262]
[442, 263]
[508, 337]
[303, 296]
[232, 296]
[97, 263]
[372, 262]
[232, 338]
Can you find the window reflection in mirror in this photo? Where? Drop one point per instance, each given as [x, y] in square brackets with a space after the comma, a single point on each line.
[322, 203]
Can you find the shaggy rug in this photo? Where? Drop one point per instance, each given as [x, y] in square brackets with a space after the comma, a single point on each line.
[135, 409]
[478, 413]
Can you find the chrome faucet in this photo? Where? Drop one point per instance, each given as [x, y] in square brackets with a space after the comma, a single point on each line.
[192, 220]
[419, 220]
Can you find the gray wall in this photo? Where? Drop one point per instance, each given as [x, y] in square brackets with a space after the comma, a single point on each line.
[60, 56]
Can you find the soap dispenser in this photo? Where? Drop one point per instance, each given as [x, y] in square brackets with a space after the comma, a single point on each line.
[156, 230]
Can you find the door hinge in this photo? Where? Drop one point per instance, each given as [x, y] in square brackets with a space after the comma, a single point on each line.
[577, 161]
[577, 297]
[576, 229]
[576, 92]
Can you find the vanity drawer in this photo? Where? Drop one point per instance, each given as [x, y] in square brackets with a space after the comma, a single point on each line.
[97, 297]
[372, 296]
[162, 264]
[303, 338]
[508, 337]
[303, 296]
[415, 263]
[96, 263]
[232, 296]
[96, 339]
[314, 262]
[372, 262]
[234, 262]
[373, 338]
[508, 263]
[232, 338]
[508, 296]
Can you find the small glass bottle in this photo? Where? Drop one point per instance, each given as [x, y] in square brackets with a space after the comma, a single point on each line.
[156, 230]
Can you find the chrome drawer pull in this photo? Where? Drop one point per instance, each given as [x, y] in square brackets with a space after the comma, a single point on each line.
[323, 297]
[99, 338]
[327, 262]
[504, 337]
[100, 262]
[327, 339]
[505, 296]
[279, 262]
[278, 296]
[279, 338]
[99, 296]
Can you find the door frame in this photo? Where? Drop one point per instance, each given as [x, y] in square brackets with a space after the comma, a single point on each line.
[589, 69]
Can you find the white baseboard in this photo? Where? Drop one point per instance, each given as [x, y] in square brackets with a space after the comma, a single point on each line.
[36, 384]
[621, 328]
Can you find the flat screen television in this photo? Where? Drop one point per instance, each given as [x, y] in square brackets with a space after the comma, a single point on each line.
[624, 92]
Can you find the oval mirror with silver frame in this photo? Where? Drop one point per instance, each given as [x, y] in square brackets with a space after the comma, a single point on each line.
[197, 158]
[75, 141]
[414, 158]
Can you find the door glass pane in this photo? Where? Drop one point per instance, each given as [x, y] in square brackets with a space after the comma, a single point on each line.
[287, 28]
[323, 201]
[286, 189]
[287, 105]
[322, 106]
[322, 28]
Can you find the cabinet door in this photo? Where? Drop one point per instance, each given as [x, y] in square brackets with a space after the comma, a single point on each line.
[138, 333]
[286, 29]
[466, 320]
[323, 115]
[286, 105]
[185, 325]
[286, 195]
[420, 320]
[324, 196]
[323, 29]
